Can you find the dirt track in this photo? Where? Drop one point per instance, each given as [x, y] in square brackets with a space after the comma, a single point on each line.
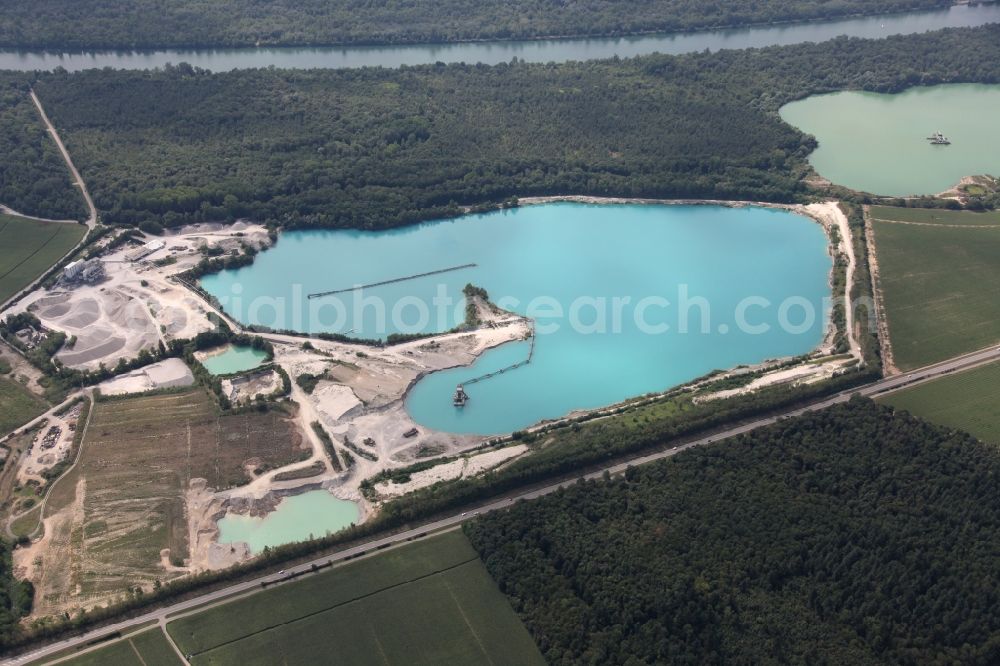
[78, 181]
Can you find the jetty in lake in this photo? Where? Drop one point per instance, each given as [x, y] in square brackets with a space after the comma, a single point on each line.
[392, 281]
[461, 397]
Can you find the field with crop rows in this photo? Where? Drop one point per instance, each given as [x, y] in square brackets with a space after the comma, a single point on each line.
[968, 401]
[28, 248]
[939, 283]
[429, 602]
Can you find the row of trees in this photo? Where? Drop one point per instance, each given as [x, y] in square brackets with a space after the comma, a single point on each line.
[863, 290]
[375, 148]
[76, 24]
[852, 535]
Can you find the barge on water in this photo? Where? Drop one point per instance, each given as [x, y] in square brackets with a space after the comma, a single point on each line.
[939, 139]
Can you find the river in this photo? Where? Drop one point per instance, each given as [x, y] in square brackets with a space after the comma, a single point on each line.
[544, 50]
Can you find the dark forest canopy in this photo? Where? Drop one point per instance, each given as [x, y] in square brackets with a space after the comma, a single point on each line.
[371, 148]
[848, 536]
[33, 177]
[72, 24]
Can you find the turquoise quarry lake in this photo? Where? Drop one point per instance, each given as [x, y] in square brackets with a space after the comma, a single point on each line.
[297, 518]
[732, 285]
[234, 359]
[878, 143]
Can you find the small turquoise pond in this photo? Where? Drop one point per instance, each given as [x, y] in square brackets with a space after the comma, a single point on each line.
[297, 518]
[589, 275]
[234, 359]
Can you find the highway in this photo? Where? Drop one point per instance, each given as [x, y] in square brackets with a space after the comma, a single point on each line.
[162, 615]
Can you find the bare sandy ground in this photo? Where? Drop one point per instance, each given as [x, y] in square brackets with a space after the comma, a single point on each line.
[802, 374]
[38, 459]
[463, 467]
[170, 373]
[831, 216]
[247, 387]
[139, 304]
[45, 561]
[334, 400]
[21, 370]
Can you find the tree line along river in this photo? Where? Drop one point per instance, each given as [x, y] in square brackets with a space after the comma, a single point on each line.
[543, 50]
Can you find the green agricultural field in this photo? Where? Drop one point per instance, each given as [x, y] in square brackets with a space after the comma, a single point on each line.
[149, 648]
[966, 401]
[18, 405]
[940, 286]
[935, 216]
[28, 248]
[430, 602]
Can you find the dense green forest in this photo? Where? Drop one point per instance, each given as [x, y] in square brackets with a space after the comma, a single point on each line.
[154, 23]
[847, 536]
[34, 179]
[372, 148]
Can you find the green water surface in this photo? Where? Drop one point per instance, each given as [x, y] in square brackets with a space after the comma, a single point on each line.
[309, 515]
[234, 359]
[878, 143]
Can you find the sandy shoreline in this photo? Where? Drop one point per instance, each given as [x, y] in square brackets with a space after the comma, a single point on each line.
[586, 199]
